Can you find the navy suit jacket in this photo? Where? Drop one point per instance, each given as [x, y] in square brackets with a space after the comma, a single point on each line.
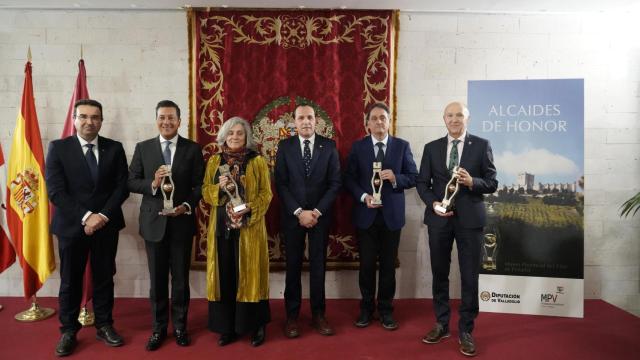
[187, 171]
[72, 191]
[319, 189]
[477, 159]
[399, 159]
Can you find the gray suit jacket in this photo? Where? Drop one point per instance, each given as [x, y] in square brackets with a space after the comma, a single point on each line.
[187, 172]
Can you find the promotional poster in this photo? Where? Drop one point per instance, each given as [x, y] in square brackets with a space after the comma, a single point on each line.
[533, 249]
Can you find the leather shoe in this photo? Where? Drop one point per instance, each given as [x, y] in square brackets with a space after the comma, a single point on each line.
[467, 346]
[364, 319]
[257, 338]
[226, 339]
[182, 337]
[156, 340]
[66, 344]
[322, 326]
[109, 336]
[388, 323]
[436, 334]
[291, 328]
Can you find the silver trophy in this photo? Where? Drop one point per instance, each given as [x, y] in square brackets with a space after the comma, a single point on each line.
[450, 192]
[166, 188]
[376, 184]
[232, 189]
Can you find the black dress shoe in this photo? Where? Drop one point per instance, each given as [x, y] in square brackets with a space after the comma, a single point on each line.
[387, 322]
[436, 334]
[226, 339]
[257, 338]
[182, 337]
[364, 319]
[467, 345]
[156, 340]
[66, 344]
[109, 336]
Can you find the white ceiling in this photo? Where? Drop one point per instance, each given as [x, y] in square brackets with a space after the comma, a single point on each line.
[488, 6]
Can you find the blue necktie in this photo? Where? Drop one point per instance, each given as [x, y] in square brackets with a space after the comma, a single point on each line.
[453, 155]
[306, 158]
[380, 155]
[92, 162]
[166, 154]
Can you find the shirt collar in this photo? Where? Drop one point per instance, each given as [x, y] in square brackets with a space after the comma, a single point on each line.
[174, 140]
[84, 142]
[461, 138]
[384, 141]
[312, 139]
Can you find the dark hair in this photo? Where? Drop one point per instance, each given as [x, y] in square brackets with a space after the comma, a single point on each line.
[303, 105]
[378, 105]
[168, 103]
[89, 102]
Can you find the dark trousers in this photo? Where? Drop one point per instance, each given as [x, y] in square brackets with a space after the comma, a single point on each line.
[378, 244]
[294, 246]
[468, 243]
[101, 247]
[228, 316]
[169, 256]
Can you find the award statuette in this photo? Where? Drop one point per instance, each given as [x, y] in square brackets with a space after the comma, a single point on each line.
[232, 189]
[490, 247]
[450, 191]
[166, 187]
[376, 184]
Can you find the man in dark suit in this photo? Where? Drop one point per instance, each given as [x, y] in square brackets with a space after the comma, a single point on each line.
[477, 176]
[86, 177]
[168, 237]
[308, 180]
[379, 225]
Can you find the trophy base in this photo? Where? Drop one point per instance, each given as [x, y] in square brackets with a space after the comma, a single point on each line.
[167, 212]
[375, 201]
[440, 209]
[489, 265]
[239, 208]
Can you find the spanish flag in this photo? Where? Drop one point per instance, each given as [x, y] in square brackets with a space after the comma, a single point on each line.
[28, 210]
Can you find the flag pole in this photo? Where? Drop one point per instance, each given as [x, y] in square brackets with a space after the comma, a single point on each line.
[35, 312]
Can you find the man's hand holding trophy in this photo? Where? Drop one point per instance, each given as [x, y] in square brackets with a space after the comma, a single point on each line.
[458, 176]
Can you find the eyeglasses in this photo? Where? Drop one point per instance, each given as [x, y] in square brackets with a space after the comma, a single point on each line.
[85, 117]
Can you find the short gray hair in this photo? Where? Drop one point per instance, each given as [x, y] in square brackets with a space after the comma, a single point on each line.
[231, 122]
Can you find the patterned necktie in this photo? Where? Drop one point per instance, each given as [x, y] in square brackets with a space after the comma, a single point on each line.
[380, 154]
[306, 158]
[166, 154]
[453, 155]
[92, 162]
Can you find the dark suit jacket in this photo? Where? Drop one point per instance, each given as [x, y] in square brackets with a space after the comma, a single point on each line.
[187, 170]
[319, 190]
[477, 159]
[72, 191]
[358, 175]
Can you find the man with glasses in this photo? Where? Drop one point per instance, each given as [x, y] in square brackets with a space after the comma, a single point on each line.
[379, 224]
[86, 178]
[168, 235]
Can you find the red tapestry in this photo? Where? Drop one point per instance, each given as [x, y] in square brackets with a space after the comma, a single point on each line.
[258, 64]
